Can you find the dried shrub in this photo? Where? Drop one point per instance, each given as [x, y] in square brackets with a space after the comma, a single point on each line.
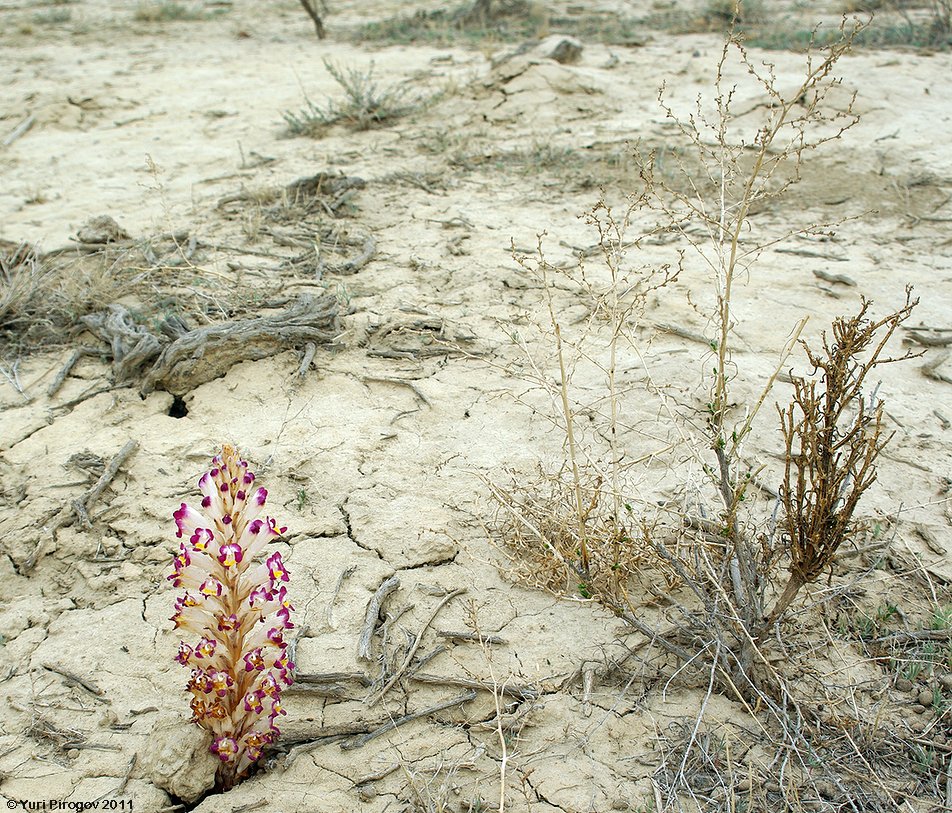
[833, 433]
[726, 549]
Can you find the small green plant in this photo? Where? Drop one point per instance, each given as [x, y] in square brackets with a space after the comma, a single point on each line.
[912, 670]
[942, 618]
[869, 626]
[366, 104]
[923, 758]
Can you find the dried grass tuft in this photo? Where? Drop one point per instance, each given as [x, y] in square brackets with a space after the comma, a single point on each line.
[539, 522]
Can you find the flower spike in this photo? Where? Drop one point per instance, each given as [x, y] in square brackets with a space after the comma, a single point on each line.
[238, 613]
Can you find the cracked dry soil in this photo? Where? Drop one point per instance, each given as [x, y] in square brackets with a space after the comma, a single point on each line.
[373, 456]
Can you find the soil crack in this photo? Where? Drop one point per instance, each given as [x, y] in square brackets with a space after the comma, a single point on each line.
[342, 507]
[540, 797]
[432, 563]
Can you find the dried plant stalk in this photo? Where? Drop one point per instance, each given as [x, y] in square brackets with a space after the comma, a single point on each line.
[834, 435]
[314, 9]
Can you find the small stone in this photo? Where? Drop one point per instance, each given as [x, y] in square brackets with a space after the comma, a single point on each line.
[946, 681]
[108, 718]
[564, 50]
[918, 726]
[925, 697]
[772, 787]
[102, 229]
[73, 753]
[178, 760]
[620, 804]
[743, 785]
[904, 685]
[366, 793]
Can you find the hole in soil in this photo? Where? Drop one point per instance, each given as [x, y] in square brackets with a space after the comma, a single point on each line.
[178, 408]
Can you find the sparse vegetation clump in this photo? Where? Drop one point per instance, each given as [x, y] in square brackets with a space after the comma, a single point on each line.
[479, 20]
[901, 24]
[55, 16]
[890, 23]
[366, 104]
[730, 14]
[713, 215]
[482, 22]
[168, 11]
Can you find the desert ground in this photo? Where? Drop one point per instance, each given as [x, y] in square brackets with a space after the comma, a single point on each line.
[377, 336]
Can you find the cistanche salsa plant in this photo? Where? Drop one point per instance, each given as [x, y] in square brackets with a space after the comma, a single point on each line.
[239, 610]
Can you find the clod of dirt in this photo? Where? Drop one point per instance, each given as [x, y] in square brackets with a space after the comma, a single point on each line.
[100, 230]
[564, 50]
[177, 759]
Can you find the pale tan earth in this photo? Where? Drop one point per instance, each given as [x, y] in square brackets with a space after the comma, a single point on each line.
[378, 462]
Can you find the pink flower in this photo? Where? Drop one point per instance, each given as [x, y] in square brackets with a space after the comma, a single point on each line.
[230, 554]
[225, 748]
[253, 702]
[211, 587]
[254, 661]
[184, 654]
[206, 648]
[276, 568]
